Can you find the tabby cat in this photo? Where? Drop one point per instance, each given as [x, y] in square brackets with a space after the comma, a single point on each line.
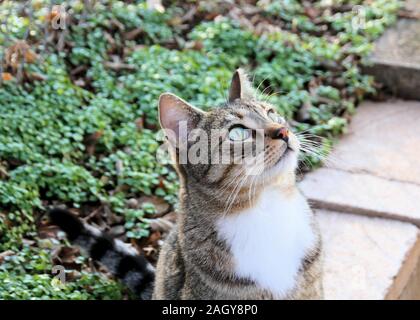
[243, 230]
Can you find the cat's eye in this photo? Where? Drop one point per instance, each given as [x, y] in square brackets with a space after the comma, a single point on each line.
[239, 134]
[274, 116]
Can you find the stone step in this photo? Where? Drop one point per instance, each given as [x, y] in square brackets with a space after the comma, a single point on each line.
[412, 6]
[362, 194]
[396, 56]
[369, 258]
[383, 139]
[374, 169]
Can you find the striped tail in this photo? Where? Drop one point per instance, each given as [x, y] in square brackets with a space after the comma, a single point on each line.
[119, 258]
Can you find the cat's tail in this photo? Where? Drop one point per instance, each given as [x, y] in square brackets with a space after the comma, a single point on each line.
[118, 257]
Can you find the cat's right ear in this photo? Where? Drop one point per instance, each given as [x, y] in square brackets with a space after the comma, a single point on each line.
[177, 118]
[240, 87]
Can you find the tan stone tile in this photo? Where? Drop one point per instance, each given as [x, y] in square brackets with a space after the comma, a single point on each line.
[400, 45]
[383, 139]
[333, 189]
[364, 256]
[412, 5]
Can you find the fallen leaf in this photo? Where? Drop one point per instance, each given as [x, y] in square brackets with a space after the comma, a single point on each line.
[18, 53]
[6, 76]
[139, 123]
[5, 254]
[161, 225]
[133, 34]
[66, 256]
[160, 205]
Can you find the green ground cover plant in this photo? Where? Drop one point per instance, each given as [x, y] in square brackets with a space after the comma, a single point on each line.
[78, 110]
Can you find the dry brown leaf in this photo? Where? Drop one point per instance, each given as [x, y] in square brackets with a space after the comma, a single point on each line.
[18, 53]
[6, 76]
[149, 251]
[133, 34]
[47, 231]
[161, 225]
[161, 205]
[66, 256]
[139, 123]
[5, 254]
[117, 66]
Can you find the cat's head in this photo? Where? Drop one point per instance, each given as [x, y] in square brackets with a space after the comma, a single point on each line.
[244, 140]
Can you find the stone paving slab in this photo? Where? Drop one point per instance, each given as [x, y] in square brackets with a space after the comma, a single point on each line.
[384, 140]
[396, 56]
[400, 44]
[360, 193]
[413, 6]
[401, 79]
[366, 258]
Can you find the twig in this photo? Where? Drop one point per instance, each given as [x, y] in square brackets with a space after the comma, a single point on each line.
[117, 66]
[409, 14]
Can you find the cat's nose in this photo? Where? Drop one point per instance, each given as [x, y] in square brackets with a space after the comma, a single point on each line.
[280, 133]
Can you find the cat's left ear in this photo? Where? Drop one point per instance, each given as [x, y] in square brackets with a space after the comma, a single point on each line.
[240, 87]
[177, 117]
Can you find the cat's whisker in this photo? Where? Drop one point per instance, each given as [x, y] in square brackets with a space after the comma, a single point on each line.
[307, 132]
[225, 94]
[227, 184]
[326, 159]
[316, 144]
[322, 147]
[268, 97]
[317, 148]
[304, 131]
[258, 87]
[253, 179]
[319, 157]
[253, 79]
[310, 139]
[234, 193]
[306, 163]
[313, 141]
[252, 187]
[250, 192]
[312, 150]
[233, 180]
[255, 188]
[239, 186]
[265, 89]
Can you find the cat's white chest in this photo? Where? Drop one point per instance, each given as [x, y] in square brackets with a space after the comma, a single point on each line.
[269, 241]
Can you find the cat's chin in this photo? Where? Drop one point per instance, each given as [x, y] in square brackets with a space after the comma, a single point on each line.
[287, 163]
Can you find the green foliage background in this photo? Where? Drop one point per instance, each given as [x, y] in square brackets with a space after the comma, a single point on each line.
[311, 74]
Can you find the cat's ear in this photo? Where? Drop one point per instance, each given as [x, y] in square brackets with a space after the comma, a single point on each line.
[240, 87]
[177, 118]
